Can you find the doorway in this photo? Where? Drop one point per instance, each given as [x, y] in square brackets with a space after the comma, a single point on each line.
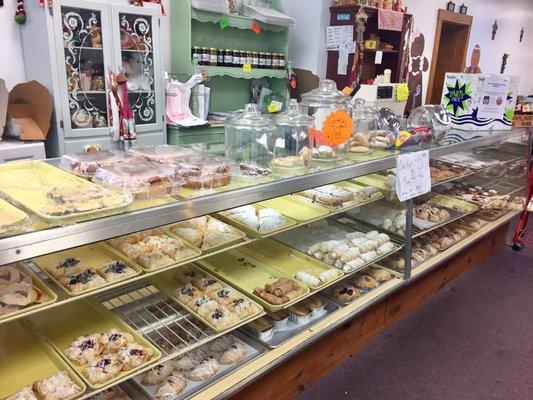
[449, 50]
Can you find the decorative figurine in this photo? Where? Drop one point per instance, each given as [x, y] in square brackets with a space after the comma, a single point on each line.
[474, 61]
[521, 34]
[20, 14]
[494, 29]
[98, 84]
[86, 78]
[387, 4]
[504, 62]
[96, 37]
[360, 25]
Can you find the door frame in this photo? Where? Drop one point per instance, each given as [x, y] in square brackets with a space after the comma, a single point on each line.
[450, 17]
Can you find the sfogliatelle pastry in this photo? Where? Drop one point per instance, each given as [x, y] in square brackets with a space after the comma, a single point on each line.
[134, 355]
[233, 355]
[173, 385]
[103, 369]
[157, 374]
[113, 340]
[208, 367]
[57, 387]
[85, 349]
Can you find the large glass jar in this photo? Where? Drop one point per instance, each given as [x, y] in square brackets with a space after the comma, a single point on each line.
[365, 120]
[430, 122]
[248, 138]
[333, 122]
[291, 146]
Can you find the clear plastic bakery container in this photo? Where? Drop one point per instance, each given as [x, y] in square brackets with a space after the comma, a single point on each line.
[333, 122]
[86, 163]
[202, 171]
[364, 117]
[160, 152]
[291, 146]
[145, 180]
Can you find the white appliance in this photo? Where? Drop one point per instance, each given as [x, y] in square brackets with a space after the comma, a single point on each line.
[382, 95]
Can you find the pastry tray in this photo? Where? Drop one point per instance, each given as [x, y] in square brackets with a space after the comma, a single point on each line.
[364, 292]
[85, 317]
[168, 285]
[378, 181]
[347, 204]
[26, 358]
[12, 215]
[453, 203]
[424, 225]
[246, 273]
[26, 183]
[240, 236]
[90, 255]
[196, 250]
[292, 329]
[303, 237]
[157, 317]
[470, 160]
[296, 208]
[289, 261]
[288, 223]
[460, 172]
[40, 285]
[253, 350]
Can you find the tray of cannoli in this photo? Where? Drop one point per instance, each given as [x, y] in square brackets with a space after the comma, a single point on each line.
[384, 215]
[272, 289]
[32, 370]
[360, 284]
[301, 267]
[340, 196]
[198, 369]
[209, 299]
[87, 268]
[154, 249]
[206, 233]
[22, 291]
[279, 326]
[56, 195]
[100, 347]
[257, 220]
[296, 208]
[339, 245]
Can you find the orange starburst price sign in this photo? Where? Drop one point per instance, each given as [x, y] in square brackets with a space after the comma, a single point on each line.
[337, 128]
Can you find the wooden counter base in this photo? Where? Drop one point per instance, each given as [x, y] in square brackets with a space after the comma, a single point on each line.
[300, 371]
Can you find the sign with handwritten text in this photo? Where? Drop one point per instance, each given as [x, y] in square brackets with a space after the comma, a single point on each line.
[412, 175]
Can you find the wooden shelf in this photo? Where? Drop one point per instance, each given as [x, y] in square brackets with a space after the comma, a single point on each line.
[234, 21]
[383, 50]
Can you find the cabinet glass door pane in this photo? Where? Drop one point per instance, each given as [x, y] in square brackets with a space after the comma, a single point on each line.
[137, 55]
[83, 43]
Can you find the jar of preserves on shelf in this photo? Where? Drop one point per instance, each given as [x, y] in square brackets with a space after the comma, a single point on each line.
[206, 56]
[275, 61]
[242, 58]
[220, 57]
[291, 148]
[228, 58]
[282, 63]
[255, 59]
[333, 122]
[262, 60]
[268, 60]
[249, 58]
[248, 138]
[213, 56]
[196, 55]
[236, 58]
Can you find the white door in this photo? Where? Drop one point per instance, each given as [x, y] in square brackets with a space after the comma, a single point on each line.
[84, 48]
[137, 50]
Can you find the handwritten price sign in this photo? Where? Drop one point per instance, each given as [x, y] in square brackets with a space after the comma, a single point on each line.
[337, 129]
[412, 175]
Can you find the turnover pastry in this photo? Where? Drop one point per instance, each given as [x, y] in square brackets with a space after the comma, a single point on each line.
[205, 232]
[173, 385]
[222, 343]
[103, 369]
[85, 349]
[10, 275]
[207, 284]
[365, 282]
[242, 307]
[157, 374]
[23, 394]
[116, 271]
[234, 354]
[208, 367]
[85, 280]
[189, 361]
[134, 355]
[262, 220]
[113, 340]
[57, 387]
[204, 306]
[187, 294]
[67, 267]
[221, 317]
[345, 293]
[18, 294]
[112, 393]
[225, 295]
[379, 274]
[188, 273]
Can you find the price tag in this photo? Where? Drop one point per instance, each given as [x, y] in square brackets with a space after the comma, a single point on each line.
[412, 175]
[247, 67]
[273, 108]
[337, 128]
[348, 90]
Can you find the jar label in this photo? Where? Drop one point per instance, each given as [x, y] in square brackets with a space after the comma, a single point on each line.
[228, 59]
[336, 130]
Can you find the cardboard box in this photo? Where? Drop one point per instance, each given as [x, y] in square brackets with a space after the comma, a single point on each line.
[30, 104]
[480, 101]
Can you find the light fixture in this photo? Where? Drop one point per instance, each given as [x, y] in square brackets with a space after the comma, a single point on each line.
[463, 9]
[450, 6]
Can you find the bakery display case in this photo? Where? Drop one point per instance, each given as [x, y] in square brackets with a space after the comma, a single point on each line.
[199, 292]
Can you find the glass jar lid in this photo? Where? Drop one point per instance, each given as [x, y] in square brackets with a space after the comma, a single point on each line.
[251, 118]
[360, 110]
[293, 115]
[325, 94]
[388, 120]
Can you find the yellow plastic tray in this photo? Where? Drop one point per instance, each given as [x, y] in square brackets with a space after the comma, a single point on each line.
[196, 250]
[288, 223]
[378, 181]
[246, 273]
[167, 284]
[296, 208]
[10, 215]
[26, 358]
[27, 182]
[39, 284]
[289, 261]
[150, 203]
[455, 204]
[239, 236]
[63, 325]
[346, 205]
[90, 256]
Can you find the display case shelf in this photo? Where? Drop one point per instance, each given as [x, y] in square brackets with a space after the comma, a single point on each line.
[234, 21]
[235, 72]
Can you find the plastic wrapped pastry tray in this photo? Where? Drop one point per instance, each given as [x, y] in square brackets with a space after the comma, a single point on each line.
[253, 350]
[296, 208]
[91, 256]
[86, 317]
[86, 163]
[10, 217]
[160, 153]
[55, 195]
[26, 358]
[143, 179]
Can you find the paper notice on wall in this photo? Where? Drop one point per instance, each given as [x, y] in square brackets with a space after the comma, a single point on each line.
[338, 37]
[493, 98]
[413, 178]
[379, 57]
[344, 52]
